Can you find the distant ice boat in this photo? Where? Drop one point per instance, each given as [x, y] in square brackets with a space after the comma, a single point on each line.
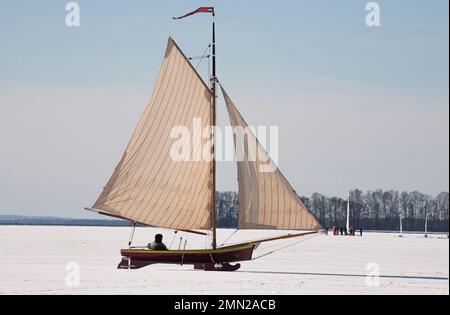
[149, 188]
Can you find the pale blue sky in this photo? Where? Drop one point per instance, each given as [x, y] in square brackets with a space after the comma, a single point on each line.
[357, 106]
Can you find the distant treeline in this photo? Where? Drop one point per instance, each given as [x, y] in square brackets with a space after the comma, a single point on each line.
[371, 210]
[49, 221]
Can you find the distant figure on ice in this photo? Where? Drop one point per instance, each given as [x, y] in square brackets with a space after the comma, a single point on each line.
[326, 231]
[158, 243]
[345, 231]
[342, 231]
[361, 232]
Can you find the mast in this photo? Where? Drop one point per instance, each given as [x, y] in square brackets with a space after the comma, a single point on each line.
[213, 134]
[401, 224]
[426, 218]
[348, 212]
[213, 87]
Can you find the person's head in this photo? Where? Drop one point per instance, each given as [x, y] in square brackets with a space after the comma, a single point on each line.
[158, 238]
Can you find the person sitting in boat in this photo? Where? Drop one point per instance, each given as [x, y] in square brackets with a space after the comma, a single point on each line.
[158, 243]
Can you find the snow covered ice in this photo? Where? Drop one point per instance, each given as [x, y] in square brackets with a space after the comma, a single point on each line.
[42, 260]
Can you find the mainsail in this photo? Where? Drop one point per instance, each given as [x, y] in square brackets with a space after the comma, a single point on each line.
[266, 199]
[148, 186]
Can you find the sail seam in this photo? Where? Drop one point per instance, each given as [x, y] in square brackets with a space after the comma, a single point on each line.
[198, 97]
[148, 142]
[165, 163]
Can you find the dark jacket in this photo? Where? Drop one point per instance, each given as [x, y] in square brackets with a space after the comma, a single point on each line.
[157, 246]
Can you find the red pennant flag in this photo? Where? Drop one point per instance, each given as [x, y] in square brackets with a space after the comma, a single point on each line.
[199, 10]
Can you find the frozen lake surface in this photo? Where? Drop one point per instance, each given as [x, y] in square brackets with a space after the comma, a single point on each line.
[34, 261]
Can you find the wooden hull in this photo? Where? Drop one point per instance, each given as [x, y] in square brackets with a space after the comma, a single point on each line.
[218, 259]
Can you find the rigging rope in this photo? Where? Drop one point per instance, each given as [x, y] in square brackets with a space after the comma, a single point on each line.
[232, 234]
[287, 246]
[207, 239]
[132, 235]
[173, 240]
[203, 56]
